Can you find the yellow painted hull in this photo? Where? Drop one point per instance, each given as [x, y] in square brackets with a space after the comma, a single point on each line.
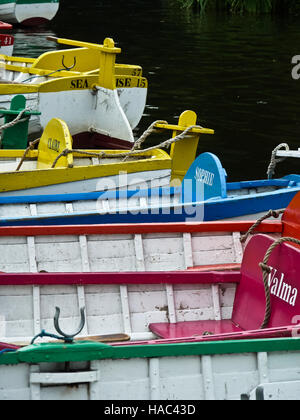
[56, 164]
[22, 180]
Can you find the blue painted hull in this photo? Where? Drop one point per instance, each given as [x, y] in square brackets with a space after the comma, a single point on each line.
[204, 195]
[211, 210]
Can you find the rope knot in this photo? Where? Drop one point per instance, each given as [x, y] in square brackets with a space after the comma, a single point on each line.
[275, 213]
[65, 152]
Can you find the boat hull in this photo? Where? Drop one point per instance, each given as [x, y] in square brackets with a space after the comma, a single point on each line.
[191, 372]
[130, 102]
[137, 206]
[30, 12]
[67, 84]
[201, 367]
[159, 177]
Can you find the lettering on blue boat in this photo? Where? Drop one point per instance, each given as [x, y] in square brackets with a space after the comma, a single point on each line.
[204, 176]
[281, 289]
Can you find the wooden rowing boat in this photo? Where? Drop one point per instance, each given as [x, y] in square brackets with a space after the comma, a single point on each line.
[78, 262]
[55, 167]
[210, 336]
[28, 12]
[204, 195]
[101, 101]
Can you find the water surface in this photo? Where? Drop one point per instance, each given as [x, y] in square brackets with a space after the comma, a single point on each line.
[233, 71]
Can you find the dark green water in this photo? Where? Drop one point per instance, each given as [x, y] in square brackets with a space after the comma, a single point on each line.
[233, 71]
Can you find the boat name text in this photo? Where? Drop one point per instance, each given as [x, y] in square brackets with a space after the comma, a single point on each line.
[79, 84]
[204, 176]
[54, 144]
[281, 289]
[126, 82]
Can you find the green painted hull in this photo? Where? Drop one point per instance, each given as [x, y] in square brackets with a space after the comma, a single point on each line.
[229, 370]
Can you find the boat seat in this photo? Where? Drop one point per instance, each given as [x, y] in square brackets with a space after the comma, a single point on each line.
[16, 136]
[249, 304]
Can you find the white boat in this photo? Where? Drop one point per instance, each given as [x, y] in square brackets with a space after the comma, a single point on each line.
[101, 101]
[105, 268]
[28, 12]
[221, 360]
[120, 275]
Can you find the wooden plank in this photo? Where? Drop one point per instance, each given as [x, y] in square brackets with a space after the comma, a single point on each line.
[188, 250]
[243, 226]
[171, 303]
[60, 378]
[180, 277]
[125, 309]
[139, 253]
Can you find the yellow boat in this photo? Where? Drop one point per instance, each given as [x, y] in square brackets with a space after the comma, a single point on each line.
[56, 168]
[100, 100]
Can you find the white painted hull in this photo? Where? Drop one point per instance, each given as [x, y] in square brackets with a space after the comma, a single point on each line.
[200, 376]
[125, 113]
[7, 12]
[106, 306]
[148, 371]
[162, 252]
[25, 310]
[28, 13]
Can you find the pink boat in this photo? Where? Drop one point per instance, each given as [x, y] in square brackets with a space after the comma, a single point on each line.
[124, 276]
[238, 328]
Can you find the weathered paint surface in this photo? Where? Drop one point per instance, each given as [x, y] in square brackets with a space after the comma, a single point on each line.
[115, 249]
[205, 371]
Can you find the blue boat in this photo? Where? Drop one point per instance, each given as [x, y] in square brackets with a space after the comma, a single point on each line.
[204, 195]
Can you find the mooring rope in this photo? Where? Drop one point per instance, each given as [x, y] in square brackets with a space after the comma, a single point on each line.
[274, 161]
[17, 120]
[30, 147]
[266, 271]
[135, 150]
[271, 213]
